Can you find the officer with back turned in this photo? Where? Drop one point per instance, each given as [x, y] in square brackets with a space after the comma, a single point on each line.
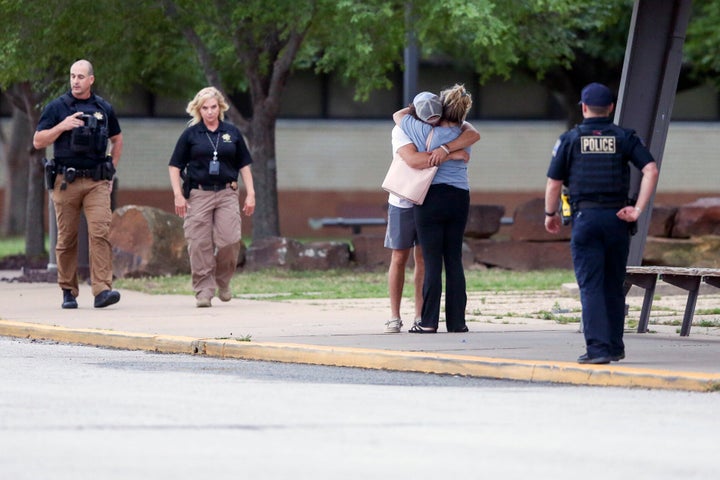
[81, 125]
[591, 160]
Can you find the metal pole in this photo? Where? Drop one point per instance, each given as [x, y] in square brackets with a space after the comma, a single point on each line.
[52, 233]
[410, 76]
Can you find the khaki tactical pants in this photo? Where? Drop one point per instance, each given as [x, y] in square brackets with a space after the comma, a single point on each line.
[93, 198]
[212, 230]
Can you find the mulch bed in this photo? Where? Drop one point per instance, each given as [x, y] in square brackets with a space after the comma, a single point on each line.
[33, 269]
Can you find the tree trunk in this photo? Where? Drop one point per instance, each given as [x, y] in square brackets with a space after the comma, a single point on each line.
[262, 148]
[35, 229]
[16, 166]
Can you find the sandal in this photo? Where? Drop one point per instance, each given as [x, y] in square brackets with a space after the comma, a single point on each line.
[419, 329]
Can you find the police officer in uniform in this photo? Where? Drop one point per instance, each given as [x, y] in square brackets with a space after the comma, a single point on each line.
[80, 125]
[204, 169]
[592, 161]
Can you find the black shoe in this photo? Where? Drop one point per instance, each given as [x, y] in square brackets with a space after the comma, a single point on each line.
[68, 299]
[617, 357]
[459, 330]
[586, 359]
[106, 298]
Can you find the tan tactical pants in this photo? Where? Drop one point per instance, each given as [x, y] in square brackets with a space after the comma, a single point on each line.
[93, 198]
[212, 230]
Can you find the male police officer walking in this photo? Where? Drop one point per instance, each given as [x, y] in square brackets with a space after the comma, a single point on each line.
[592, 161]
[79, 124]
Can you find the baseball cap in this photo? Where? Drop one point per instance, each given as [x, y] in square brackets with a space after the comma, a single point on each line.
[427, 105]
[596, 95]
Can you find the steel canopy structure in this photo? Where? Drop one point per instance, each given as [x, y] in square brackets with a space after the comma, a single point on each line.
[653, 58]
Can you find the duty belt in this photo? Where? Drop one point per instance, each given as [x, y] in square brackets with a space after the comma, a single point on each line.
[78, 172]
[216, 187]
[588, 204]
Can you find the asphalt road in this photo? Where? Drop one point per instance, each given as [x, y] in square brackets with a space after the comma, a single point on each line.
[83, 412]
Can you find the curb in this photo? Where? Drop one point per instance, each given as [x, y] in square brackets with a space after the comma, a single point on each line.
[443, 364]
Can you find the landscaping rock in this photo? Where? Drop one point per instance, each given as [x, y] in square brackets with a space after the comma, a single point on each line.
[322, 256]
[147, 241]
[701, 217]
[529, 224]
[521, 256]
[484, 220]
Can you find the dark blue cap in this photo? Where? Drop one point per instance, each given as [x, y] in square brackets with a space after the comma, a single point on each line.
[596, 95]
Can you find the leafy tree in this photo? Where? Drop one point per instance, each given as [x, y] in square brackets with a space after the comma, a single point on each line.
[255, 45]
[250, 49]
[126, 40]
[703, 41]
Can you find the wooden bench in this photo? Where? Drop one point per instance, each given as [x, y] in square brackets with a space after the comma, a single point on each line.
[686, 278]
[355, 224]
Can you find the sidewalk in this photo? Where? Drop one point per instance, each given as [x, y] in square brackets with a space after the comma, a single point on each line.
[349, 333]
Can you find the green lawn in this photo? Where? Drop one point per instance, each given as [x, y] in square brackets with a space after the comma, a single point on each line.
[344, 283]
[347, 283]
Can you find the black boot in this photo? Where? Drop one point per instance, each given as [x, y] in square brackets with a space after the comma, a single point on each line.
[68, 299]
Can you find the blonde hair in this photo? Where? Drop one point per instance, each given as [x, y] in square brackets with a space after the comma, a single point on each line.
[456, 103]
[201, 97]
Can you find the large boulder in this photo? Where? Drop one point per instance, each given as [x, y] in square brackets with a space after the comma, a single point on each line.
[322, 256]
[484, 220]
[272, 252]
[662, 221]
[702, 217]
[369, 252]
[147, 241]
[693, 252]
[529, 224]
[521, 256]
[281, 252]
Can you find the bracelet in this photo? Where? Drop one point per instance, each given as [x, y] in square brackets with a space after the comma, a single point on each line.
[447, 150]
[550, 214]
[639, 210]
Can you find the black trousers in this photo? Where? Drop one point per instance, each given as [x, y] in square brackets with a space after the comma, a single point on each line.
[600, 245]
[440, 223]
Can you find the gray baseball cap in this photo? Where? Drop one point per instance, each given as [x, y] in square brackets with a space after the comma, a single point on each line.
[427, 105]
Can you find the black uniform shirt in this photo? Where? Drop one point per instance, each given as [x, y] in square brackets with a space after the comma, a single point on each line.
[194, 151]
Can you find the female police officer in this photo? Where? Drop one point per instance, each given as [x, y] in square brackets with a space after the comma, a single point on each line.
[209, 155]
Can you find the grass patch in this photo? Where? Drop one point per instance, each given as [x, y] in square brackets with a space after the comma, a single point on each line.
[557, 318]
[709, 323]
[12, 246]
[345, 283]
[244, 338]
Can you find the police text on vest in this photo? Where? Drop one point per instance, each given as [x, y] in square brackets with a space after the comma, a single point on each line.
[597, 144]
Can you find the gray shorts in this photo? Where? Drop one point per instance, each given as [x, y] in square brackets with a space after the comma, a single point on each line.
[400, 233]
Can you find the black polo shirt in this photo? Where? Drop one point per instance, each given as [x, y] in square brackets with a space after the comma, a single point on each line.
[194, 151]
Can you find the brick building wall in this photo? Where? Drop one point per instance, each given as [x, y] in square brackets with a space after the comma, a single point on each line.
[334, 168]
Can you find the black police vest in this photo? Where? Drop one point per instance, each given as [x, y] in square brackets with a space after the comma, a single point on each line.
[86, 146]
[599, 171]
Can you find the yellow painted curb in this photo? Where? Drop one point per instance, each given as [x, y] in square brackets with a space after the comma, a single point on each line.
[101, 338]
[447, 364]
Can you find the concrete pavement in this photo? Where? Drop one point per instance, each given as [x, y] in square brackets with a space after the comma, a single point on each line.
[349, 333]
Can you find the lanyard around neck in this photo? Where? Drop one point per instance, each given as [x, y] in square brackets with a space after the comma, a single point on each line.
[215, 146]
